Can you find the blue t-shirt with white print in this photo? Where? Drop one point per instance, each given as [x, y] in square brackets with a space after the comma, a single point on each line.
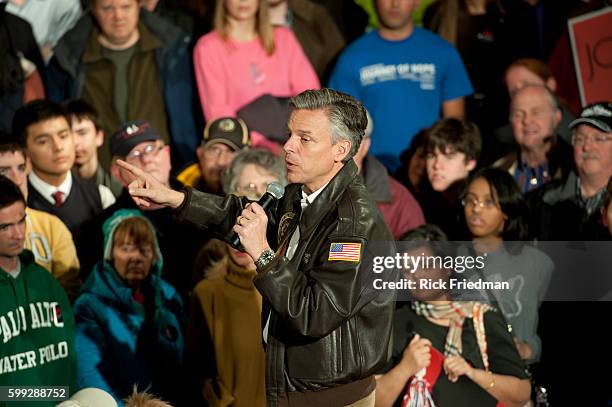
[402, 84]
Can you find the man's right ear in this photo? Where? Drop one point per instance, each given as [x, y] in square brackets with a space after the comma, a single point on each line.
[99, 138]
[471, 164]
[200, 152]
[28, 165]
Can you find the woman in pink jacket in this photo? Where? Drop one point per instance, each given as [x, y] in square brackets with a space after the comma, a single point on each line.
[244, 57]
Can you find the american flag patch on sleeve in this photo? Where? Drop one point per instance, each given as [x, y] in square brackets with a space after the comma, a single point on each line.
[345, 251]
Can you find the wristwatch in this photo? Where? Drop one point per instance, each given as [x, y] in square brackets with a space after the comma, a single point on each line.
[264, 258]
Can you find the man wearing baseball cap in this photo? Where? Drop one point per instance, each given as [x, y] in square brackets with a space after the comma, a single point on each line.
[570, 211]
[137, 142]
[565, 209]
[140, 144]
[223, 137]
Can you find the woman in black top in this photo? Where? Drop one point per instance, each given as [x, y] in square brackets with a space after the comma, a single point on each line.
[449, 353]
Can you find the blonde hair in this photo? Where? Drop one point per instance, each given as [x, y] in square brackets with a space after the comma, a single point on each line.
[445, 20]
[144, 399]
[263, 27]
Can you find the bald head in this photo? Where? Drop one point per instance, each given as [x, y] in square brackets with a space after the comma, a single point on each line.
[539, 92]
[534, 116]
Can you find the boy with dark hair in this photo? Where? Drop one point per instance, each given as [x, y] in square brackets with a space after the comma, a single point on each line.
[46, 235]
[37, 324]
[88, 137]
[43, 127]
[453, 148]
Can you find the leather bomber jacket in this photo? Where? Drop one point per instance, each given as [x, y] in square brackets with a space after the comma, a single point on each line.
[328, 325]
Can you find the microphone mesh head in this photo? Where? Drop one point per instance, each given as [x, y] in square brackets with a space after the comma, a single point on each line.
[275, 189]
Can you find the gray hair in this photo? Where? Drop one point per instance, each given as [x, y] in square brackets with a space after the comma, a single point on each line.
[553, 103]
[347, 116]
[261, 158]
[370, 127]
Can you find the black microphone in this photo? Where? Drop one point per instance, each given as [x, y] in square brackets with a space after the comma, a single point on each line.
[273, 193]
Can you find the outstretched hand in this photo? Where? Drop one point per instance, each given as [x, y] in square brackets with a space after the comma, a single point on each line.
[148, 192]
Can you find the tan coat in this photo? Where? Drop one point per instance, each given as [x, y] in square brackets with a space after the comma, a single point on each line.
[225, 338]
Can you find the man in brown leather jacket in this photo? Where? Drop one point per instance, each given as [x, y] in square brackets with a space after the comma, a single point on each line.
[326, 328]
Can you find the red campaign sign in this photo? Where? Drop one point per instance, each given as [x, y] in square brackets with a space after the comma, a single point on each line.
[591, 37]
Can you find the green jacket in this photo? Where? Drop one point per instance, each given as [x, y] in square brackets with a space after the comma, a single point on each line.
[36, 330]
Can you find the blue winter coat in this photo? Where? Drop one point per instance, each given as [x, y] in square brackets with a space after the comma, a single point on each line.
[66, 77]
[118, 346]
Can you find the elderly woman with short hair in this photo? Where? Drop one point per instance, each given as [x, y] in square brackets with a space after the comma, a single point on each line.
[128, 320]
[223, 345]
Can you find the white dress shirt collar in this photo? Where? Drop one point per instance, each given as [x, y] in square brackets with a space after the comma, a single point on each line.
[47, 190]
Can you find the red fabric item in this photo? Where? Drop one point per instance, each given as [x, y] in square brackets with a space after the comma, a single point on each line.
[435, 368]
[433, 372]
[403, 213]
[258, 140]
[561, 64]
[423, 396]
[58, 196]
[33, 88]
[138, 297]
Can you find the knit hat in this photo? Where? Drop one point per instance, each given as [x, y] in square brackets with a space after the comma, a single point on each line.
[110, 226]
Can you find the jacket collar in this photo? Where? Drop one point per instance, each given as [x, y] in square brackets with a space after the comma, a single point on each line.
[239, 276]
[26, 259]
[94, 51]
[565, 191]
[71, 46]
[105, 282]
[314, 212]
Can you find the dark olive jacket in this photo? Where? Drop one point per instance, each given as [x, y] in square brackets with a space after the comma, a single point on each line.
[318, 35]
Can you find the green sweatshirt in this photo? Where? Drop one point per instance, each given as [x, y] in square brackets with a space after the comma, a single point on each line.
[36, 331]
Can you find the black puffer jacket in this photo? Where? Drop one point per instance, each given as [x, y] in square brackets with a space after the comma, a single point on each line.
[328, 327]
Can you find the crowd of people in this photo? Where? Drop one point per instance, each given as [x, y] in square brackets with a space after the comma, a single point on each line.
[459, 131]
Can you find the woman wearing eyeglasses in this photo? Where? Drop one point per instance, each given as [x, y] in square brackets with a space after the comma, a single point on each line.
[223, 345]
[495, 214]
[447, 352]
